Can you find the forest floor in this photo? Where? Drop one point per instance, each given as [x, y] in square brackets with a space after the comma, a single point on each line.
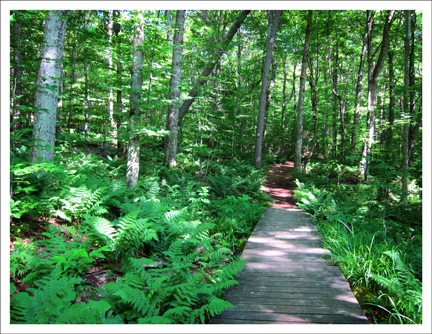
[280, 185]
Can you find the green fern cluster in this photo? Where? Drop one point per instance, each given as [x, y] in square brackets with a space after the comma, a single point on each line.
[53, 302]
[176, 258]
[178, 290]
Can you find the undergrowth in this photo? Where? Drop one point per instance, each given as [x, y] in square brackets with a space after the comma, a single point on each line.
[375, 241]
[172, 240]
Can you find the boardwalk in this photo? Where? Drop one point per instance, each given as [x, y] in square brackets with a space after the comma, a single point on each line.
[287, 279]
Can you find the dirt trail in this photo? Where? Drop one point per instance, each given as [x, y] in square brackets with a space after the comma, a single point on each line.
[280, 185]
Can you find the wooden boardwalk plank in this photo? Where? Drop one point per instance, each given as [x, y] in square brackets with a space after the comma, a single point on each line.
[288, 278]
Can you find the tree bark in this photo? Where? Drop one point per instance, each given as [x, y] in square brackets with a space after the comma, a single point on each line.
[215, 58]
[299, 141]
[172, 120]
[133, 158]
[264, 86]
[46, 95]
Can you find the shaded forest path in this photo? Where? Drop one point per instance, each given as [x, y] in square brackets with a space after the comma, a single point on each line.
[288, 278]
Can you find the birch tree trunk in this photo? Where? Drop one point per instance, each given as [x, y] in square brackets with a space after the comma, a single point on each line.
[133, 156]
[264, 86]
[48, 80]
[299, 141]
[110, 65]
[173, 114]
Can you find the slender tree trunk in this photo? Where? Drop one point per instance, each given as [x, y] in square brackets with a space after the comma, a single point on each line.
[391, 103]
[373, 91]
[342, 121]
[406, 126]
[283, 111]
[17, 76]
[59, 106]
[133, 158]
[414, 127]
[269, 93]
[299, 141]
[172, 121]
[215, 58]
[86, 102]
[119, 104]
[48, 76]
[239, 86]
[71, 86]
[357, 101]
[412, 137]
[313, 83]
[264, 86]
[334, 77]
[294, 126]
[110, 65]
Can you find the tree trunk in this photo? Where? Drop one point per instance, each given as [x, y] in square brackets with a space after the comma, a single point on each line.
[269, 92]
[406, 110]
[391, 102]
[313, 83]
[299, 141]
[283, 111]
[334, 78]
[110, 65]
[294, 126]
[119, 104]
[86, 102]
[264, 86]
[373, 90]
[414, 127]
[215, 58]
[133, 158]
[18, 74]
[172, 120]
[48, 76]
[59, 106]
[357, 101]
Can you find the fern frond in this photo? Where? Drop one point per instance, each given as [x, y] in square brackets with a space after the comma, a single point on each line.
[217, 306]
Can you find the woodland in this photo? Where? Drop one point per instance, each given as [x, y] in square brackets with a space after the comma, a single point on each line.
[140, 142]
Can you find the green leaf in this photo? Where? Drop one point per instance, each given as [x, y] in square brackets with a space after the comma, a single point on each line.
[12, 288]
[59, 259]
[96, 253]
